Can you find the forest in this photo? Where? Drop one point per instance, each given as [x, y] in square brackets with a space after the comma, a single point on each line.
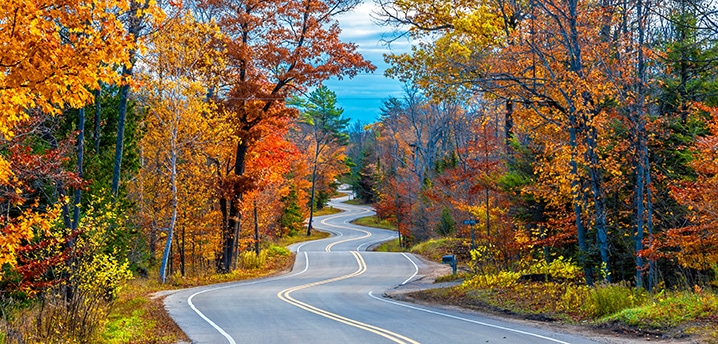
[175, 139]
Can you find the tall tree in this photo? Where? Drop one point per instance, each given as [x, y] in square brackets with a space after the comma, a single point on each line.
[53, 56]
[274, 49]
[136, 18]
[542, 56]
[180, 131]
[327, 129]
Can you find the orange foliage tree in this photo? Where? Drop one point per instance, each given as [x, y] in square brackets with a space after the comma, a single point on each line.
[271, 159]
[274, 50]
[553, 63]
[696, 244]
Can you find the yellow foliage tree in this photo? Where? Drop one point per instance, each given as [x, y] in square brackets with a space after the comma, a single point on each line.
[181, 132]
[53, 54]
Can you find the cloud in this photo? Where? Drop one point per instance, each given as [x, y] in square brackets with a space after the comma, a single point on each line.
[362, 96]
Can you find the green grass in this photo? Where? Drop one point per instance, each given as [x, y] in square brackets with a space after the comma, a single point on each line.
[293, 239]
[356, 201]
[390, 246]
[124, 328]
[672, 310]
[434, 249]
[327, 211]
[373, 221]
[136, 317]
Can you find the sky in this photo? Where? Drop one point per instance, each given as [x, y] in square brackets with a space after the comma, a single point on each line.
[362, 96]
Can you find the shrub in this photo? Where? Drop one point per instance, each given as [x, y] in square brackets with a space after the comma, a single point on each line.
[70, 302]
[559, 269]
[503, 279]
[250, 260]
[277, 251]
[610, 299]
[573, 300]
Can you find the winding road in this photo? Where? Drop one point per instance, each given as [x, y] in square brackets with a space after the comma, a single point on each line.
[334, 294]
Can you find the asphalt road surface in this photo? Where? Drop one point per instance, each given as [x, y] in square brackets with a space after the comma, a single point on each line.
[334, 294]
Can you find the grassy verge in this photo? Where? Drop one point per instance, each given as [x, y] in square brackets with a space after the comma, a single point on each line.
[434, 249]
[355, 201]
[137, 317]
[288, 240]
[327, 211]
[564, 297]
[390, 246]
[373, 221]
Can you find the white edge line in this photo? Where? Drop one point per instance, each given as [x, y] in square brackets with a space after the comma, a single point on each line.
[468, 320]
[416, 269]
[216, 327]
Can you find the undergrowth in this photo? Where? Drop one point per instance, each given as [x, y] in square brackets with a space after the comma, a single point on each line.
[557, 291]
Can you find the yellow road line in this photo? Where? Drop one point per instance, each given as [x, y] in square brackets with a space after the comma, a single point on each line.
[285, 296]
[367, 234]
[329, 247]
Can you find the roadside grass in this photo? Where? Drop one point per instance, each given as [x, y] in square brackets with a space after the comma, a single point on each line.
[356, 201]
[434, 249]
[618, 307]
[288, 240]
[327, 211]
[668, 310]
[390, 246]
[375, 222]
[138, 315]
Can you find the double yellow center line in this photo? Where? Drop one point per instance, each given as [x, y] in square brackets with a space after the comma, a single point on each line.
[285, 296]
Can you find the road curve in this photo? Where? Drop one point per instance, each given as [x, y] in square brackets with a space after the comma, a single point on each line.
[334, 294]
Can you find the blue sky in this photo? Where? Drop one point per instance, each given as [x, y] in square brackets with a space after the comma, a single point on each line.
[362, 96]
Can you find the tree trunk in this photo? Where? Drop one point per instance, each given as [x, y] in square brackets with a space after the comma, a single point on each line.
[173, 204]
[576, 190]
[134, 26]
[256, 229]
[311, 198]
[98, 118]
[643, 170]
[120, 135]
[80, 161]
[231, 214]
[509, 124]
[599, 202]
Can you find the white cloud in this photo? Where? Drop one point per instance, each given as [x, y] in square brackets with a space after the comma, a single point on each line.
[362, 96]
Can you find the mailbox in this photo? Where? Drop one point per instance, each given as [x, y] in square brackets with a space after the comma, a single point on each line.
[451, 260]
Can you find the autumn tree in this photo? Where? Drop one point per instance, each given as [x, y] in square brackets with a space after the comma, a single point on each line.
[273, 52]
[362, 159]
[323, 121]
[53, 57]
[137, 17]
[548, 60]
[180, 129]
[693, 245]
[272, 159]
[413, 137]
